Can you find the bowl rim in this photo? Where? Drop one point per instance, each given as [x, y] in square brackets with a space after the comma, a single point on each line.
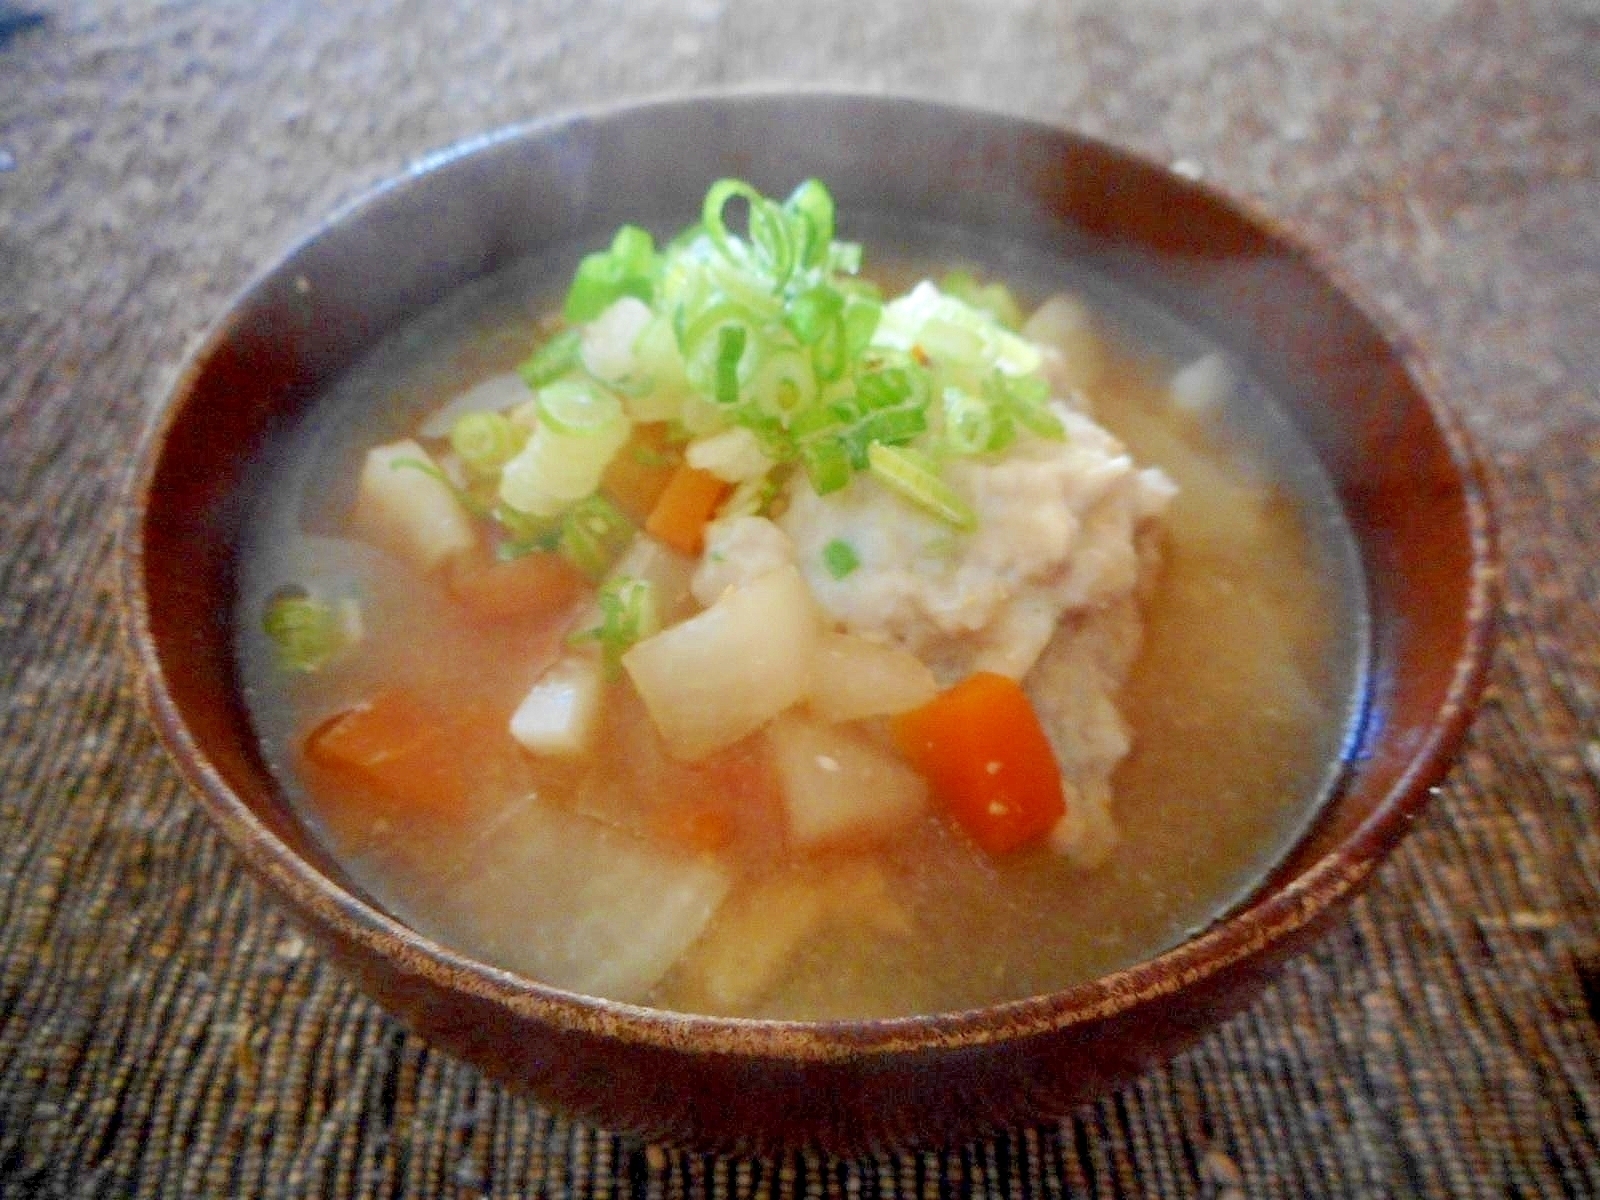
[1247, 931]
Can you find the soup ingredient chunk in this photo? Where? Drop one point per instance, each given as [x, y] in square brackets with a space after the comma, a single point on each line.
[406, 506]
[839, 788]
[398, 746]
[982, 748]
[727, 671]
[561, 713]
[579, 904]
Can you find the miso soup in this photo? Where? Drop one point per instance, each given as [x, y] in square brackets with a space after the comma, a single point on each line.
[731, 634]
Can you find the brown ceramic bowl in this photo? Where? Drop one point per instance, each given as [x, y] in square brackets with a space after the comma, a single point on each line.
[1410, 490]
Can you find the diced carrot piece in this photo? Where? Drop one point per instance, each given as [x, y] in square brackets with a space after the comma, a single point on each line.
[681, 513]
[398, 748]
[532, 586]
[641, 470]
[987, 759]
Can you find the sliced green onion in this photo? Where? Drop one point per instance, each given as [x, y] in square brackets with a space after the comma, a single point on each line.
[758, 322]
[840, 557]
[486, 441]
[306, 632]
[634, 248]
[628, 268]
[887, 427]
[628, 614]
[813, 204]
[830, 354]
[973, 425]
[524, 532]
[774, 440]
[862, 312]
[701, 327]
[783, 382]
[951, 342]
[827, 464]
[552, 360]
[821, 420]
[772, 245]
[905, 384]
[913, 476]
[994, 298]
[747, 285]
[776, 241]
[715, 345]
[812, 313]
[731, 341]
[594, 535]
[717, 197]
[579, 408]
[1025, 398]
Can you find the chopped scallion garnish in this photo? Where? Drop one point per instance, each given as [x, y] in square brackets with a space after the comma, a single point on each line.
[553, 359]
[594, 534]
[730, 350]
[628, 614]
[524, 532]
[578, 408]
[306, 631]
[827, 465]
[994, 298]
[1026, 400]
[840, 557]
[628, 268]
[973, 425]
[757, 321]
[486, 441]
[914, 477]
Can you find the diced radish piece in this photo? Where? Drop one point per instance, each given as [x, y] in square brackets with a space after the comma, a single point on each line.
[561, 712]
[839, 788]
[577, 904]
[729, 670]
[404, 506]
[854, 678]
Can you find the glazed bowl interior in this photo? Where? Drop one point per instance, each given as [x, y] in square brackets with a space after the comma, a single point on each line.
[1405, 482]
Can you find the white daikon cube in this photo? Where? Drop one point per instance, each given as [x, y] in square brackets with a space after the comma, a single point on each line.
[854, 678]
[404, 507]
[727, 671]
[561, 712]
[839, 788]
[577, 904]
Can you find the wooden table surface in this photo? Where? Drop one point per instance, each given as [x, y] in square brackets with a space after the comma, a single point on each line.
[164, 1031]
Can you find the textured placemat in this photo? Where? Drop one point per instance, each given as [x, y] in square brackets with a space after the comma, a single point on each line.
[164, 1031]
